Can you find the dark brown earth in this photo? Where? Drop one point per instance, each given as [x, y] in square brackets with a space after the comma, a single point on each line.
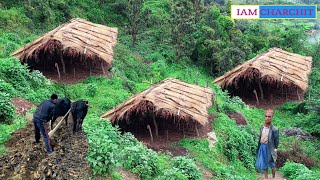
[26, 160]
[165, 143]
[295, 156]
[239, 118]
[267, 103]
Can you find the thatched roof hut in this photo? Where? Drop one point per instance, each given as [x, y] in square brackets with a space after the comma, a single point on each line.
[169, 101]
[74, 43]
[274, 71]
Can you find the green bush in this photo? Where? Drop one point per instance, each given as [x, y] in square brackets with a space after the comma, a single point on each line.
[138, 159]
[130, 65]
[238, 142]
[7, 110]
[91, 90]
[289, 106]
[7, 88]
[14, 73]
[37, 79]
[294, 107]
[102, 146]
[14, 20]
[227, 108]
[296, 171]
[172, 174]
[17, 80]
[159, 70]
[237, 101]
[187, 167]
[109, 150]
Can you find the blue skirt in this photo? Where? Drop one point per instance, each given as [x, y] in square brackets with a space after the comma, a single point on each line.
[262, 161]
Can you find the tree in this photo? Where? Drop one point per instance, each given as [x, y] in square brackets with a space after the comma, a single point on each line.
[220, 45]
[182, 22]
[135, 17]
[198, 7]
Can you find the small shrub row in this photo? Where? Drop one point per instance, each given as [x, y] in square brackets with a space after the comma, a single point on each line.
[108, 150]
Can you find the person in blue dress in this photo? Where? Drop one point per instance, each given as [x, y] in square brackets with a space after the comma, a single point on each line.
[267, 145]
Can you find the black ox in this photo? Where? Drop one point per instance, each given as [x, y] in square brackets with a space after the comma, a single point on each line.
[61, 108]
[79, 111]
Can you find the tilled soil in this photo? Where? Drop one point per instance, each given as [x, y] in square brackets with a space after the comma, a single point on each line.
[28, 160]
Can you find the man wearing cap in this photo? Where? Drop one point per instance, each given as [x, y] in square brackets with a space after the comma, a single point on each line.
[41, 116]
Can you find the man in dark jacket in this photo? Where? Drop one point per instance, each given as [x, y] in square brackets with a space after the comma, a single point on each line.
[41, 116]
[267, 145]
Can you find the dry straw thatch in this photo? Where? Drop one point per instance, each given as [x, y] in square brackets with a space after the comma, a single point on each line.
[170, 98]
[75, 38]
[273, 66]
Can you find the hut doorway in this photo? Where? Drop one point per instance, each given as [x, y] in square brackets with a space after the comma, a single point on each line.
[65, 66]
[269, 79]
[72, 51]
[159, 130]
[264, 93]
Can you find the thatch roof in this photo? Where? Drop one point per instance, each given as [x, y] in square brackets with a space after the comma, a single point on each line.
[77, 36]
[274, 65]
[170, 98]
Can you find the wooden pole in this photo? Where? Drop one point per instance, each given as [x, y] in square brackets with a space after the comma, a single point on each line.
[184, 135]
[103, 71]
[155, 124]
[63, 64]
[149, 128]
[298, 94]
[255, 93]
[197, 131]
[51, 133]
[57, 66]
[260, 88]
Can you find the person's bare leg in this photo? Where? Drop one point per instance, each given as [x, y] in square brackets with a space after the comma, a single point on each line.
[266, 173]
[273, 172]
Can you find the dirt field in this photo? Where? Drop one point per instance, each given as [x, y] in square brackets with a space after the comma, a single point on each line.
[26, 160]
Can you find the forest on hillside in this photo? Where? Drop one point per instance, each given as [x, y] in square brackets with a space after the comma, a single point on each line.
[194, 41]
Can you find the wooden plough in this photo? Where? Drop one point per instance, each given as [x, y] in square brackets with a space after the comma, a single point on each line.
[51, 133]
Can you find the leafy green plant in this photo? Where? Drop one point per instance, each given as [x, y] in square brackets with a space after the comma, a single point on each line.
[101, 154]
[297, 171]
[7, 88]
[295, 107]
[187, 167]
[239, 143]
[91, 89]
[141, 160]
[172, 174]
[6, 108]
